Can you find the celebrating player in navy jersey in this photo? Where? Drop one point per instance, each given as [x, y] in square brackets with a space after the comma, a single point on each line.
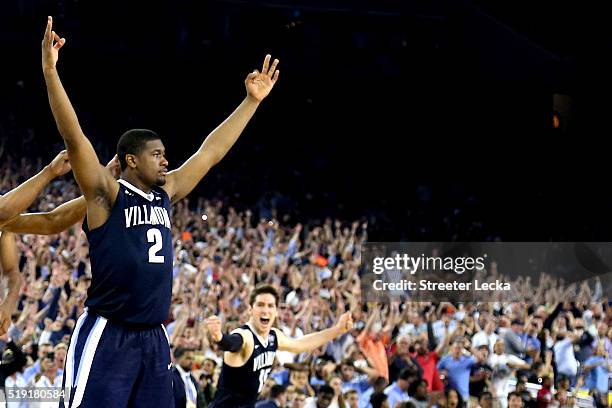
[119, 353]
[250, 349]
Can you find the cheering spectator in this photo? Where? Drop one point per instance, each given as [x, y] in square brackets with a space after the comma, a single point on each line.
[503, 366]
[457, 367]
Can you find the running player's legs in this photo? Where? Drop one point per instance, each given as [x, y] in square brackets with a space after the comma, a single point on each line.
[103, 364]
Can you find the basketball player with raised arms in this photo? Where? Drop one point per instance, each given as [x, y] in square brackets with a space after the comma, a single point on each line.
[119, 354]
[249, 351]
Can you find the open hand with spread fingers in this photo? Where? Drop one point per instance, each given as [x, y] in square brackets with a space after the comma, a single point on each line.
[51, 45]
[259, 84]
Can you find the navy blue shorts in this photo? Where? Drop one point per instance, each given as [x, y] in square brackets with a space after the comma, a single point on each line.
[109, 365]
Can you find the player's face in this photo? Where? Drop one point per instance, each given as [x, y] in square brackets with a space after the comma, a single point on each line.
[264, 312]
[152, 163]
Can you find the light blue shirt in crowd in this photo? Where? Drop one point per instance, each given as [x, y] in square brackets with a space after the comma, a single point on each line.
[597, 377]
[395, 394]
[565, 357]
[458, 373]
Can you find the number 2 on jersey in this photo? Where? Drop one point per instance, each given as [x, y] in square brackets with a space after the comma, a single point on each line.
[154, 235]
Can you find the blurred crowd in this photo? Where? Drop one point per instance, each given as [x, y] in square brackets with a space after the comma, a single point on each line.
[551, 350]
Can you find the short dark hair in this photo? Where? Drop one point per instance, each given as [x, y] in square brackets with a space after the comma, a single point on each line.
[377, 399]
[326, 389]
[264, 289]
[408, 372]
[515, 394]
[348, 361]
[276, 390]
[459, 397]
[180, 351]
[485, 394]
[380, 381]
[132, 142]
[412, 388]
[212, 360]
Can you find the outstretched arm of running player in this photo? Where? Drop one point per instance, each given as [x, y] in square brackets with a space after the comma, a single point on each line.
[258, 85]
[315, 340]
[56, 221]
[20, 198]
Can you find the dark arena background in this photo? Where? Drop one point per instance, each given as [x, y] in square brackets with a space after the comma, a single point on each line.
[413, 120]
[405, 112]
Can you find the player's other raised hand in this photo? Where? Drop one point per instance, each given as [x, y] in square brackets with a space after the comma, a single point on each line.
[114, 167]
[60, 165]
[213, 324]
[259, 84]
[51, 45]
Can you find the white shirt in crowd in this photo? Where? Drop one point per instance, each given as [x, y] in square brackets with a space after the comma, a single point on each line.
[565, 358]
[502, 374]
[14, 381]
[191, 393]
[482, 338]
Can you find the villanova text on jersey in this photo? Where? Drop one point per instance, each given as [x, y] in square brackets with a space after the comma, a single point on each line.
[131, 259]
[264, 360]
[139, 215]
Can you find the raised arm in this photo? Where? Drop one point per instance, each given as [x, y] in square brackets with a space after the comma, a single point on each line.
[315, 340]
[181, 181]
[20, 198]
[10, 269]
[98, 186]
[52, 222]
[237, 346]
[61, 218]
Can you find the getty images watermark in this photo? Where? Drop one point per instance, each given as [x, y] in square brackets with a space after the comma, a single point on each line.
[478, 271]
[410, 264]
